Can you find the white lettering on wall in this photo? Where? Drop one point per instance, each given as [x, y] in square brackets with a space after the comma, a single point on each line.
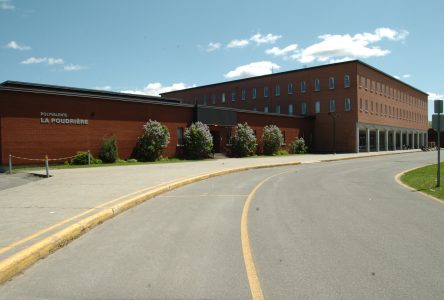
[60, 118]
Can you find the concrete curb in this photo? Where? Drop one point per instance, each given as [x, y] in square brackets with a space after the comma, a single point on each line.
[22, 260]
[371, 155]
[398, 180]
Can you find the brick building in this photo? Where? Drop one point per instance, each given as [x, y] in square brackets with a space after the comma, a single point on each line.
[38, 120]
[355, 107]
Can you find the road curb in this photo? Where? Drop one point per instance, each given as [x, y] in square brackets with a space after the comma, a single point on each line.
[371, 155]
[25, 258]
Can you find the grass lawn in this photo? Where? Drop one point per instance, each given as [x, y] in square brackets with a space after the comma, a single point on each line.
[424, 180]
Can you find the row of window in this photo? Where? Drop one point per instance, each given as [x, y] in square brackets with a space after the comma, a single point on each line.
[277, 90]
[387, 91]
[304, 109]
[388, 111]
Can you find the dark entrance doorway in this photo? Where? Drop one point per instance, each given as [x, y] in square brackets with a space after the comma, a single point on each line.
[216, 141]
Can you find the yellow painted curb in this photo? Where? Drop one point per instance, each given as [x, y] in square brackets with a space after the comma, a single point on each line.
[22, 260]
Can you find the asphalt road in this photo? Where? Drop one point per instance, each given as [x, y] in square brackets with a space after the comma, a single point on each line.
[337, 230]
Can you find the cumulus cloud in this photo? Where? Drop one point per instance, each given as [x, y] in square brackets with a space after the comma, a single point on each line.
[238, 43]
[156, 88]
[6, 5]
[406, 76]
[336, 47]
[435, 96]
[284, 52]
[212, 47]
[103, 88]
[73, 68]
[253, 69]
[265, 39]
[40, 60]
[14, 45]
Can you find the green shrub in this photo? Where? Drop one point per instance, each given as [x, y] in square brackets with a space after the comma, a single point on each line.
[298, 146]
[272, 139]
[81, 158]
[198, 141]
[109, 150]
[131, 160]
[96, 161]
[155, 137]
[244, 141]
[282, 152]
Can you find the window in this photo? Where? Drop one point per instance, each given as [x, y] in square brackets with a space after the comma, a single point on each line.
[254, 109]
[266, 108]
[303, 108]
[360, 104]
[303, 86]
[265, 91]
[366, 105]
[205, 100]
[332, 105]
[290, 88]
[277, 90]
[347, 104]
[243, 94]
[317, 85]
[290, 109]
[371, 106]
[229, 137]
[180, 136]
[233, 96]
[253, 93]
[361, 82]
[346, 81]
[277, 109]
[317, 107]
[331, 83]
[367, 83]
[213, 99]
[223, 97]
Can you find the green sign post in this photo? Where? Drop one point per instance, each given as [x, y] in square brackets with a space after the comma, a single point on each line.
[438, 110]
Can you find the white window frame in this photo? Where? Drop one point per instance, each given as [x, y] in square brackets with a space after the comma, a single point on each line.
[303, 108]
[318, 107]
[332, 106]
[347, 105]
[331, 83]
[346, 81]
[290, 89]
[317, 85]
[303, 86]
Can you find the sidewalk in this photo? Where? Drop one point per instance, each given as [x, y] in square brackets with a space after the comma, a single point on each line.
[71, 195]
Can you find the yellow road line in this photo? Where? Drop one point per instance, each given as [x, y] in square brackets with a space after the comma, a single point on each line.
[253, 279]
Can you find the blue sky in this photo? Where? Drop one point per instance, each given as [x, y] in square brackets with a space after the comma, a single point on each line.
[154, 46]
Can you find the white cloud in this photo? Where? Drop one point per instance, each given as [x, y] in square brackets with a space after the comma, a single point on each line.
[34, 60]
[406, 76]
[342, 59]
[265, 39]
[6, 5]
[73, 68]
[103, 88]
[397, 77]
[335, 47]
[156, 88]
[285, 52]
[435, 96]
[15, 46]
[212, 47]
[253, 69]
[238, 43]
[55, 61]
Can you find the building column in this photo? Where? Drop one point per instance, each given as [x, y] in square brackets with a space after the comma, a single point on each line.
[419, 141]
[357, 139]
[394, 140]
[407, 140]
[400, 141]
[377, 140]
[386, 140]
[367, 139]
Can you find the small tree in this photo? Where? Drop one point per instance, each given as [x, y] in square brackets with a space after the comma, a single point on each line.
[198, 141]
[155, 137]
[272, 139]
[109, 150]
[244, 141]
[298, 146]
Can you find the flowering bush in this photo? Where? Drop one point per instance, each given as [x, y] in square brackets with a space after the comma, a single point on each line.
[272, 139]
[198, 141]
[298, 146]
[155, 137]
[244, 141]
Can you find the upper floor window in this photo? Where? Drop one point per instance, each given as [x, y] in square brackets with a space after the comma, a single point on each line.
[265, 91]
[332, 105]
[317, 107]
[317, 85]
[253, 93]
[277, 90]
[278, 109]
[266, 108]
[290, 88]
[346, 81]
[347, 104]
[331, 83]
[290, 109]
[361, 81]
[223, 97]
[233, 96]
[303, 108]
[243, 94]
[303, 86]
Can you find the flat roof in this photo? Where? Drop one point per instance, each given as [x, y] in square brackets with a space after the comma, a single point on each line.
[356, 61]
